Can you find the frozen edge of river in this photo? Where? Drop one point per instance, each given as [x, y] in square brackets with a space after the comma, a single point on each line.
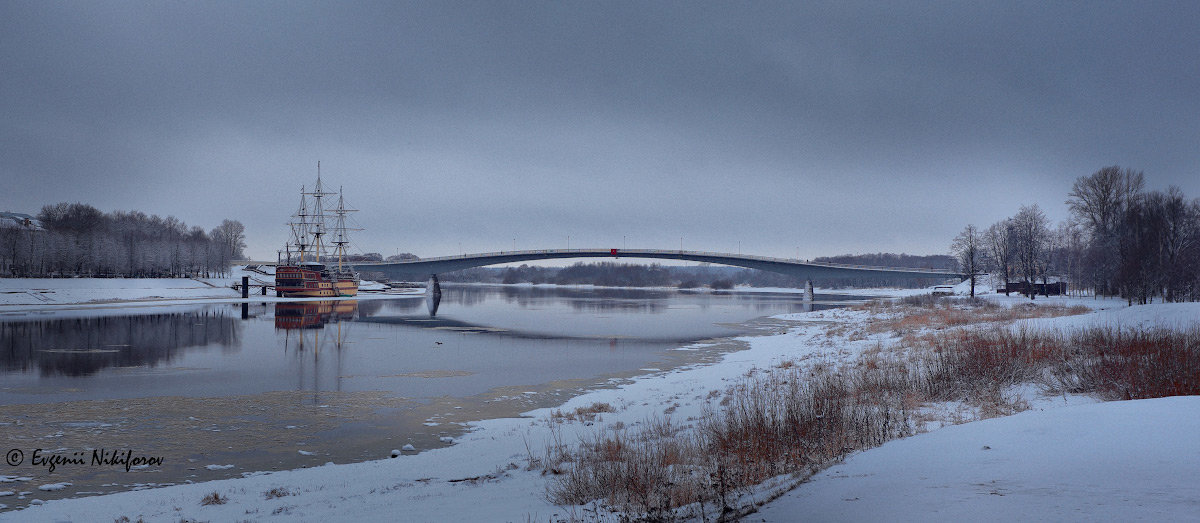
[483, 476]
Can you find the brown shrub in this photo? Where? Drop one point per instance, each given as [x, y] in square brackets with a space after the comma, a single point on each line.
[214, 499]
[642, 474]
[1132, 364]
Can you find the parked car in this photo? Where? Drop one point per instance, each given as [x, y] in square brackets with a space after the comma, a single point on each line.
[943, 290]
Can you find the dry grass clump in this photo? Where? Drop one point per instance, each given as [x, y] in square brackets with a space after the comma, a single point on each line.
[926, 301]
[1131, 364]
[790, 422]
[648, 473]
[585, 413]
[277, 492]
[214, 499]
[978, 360]
[556, 454]
[924, 311]
[1110, 362]
[774, 424]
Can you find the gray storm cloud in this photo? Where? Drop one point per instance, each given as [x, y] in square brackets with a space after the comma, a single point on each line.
[792, 128]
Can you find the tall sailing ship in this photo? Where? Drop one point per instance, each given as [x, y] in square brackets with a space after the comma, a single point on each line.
[305, 268]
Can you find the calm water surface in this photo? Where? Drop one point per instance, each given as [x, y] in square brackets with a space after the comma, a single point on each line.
[481, 337]
[269, 386]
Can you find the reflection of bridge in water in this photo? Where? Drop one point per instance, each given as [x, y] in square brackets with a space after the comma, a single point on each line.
[806, 270]
[429, 268]
[594, 301]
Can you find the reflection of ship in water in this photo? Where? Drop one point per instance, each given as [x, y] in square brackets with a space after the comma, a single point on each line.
[313, 314]
[84, 346]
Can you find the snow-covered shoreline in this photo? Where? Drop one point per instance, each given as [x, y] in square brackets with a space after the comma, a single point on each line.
[19, 295]
[485, 475]
[1113, 461]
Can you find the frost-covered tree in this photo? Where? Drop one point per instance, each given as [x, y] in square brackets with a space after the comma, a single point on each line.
[230, 241]
[75, 239]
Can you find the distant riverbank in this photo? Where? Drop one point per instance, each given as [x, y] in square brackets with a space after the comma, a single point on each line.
[35, 293]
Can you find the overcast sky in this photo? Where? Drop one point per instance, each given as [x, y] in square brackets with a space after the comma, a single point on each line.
[795, 128]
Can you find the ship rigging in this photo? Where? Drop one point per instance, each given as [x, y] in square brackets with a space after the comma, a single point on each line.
[303, 268]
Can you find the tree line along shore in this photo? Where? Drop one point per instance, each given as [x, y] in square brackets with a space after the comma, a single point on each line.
[1120, 240]
[78, 240]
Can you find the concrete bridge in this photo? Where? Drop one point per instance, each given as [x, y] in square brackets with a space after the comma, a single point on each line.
[425, 268]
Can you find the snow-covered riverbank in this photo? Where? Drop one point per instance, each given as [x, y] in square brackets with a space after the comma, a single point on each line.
[1114, 461]
[486, 475]
[27, 293]
[34, 294]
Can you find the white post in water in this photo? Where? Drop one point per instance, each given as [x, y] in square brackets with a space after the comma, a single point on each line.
[808, 291]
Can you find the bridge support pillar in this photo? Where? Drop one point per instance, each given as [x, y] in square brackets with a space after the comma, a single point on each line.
[433, 288]
[808, 291]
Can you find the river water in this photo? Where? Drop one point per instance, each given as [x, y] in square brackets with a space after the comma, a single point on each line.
[220, 390]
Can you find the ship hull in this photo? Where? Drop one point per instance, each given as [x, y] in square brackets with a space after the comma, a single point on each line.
[313, 281]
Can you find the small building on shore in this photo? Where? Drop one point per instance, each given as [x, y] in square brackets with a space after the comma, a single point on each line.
[1052, 288]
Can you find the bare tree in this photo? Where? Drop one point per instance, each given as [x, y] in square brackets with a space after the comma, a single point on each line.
[999, 242]
[1099, 201]
[1068, 252]
[231, 241]
[1101, 197]
[1030, 238]
[1180, 243]
[967, 249]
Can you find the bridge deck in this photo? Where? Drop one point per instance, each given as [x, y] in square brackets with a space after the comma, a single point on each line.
[795, 267]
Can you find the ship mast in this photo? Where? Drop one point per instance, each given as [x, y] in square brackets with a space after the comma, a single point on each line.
[340, 238]
[309, 226]
[317, 226]
[300, 225]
